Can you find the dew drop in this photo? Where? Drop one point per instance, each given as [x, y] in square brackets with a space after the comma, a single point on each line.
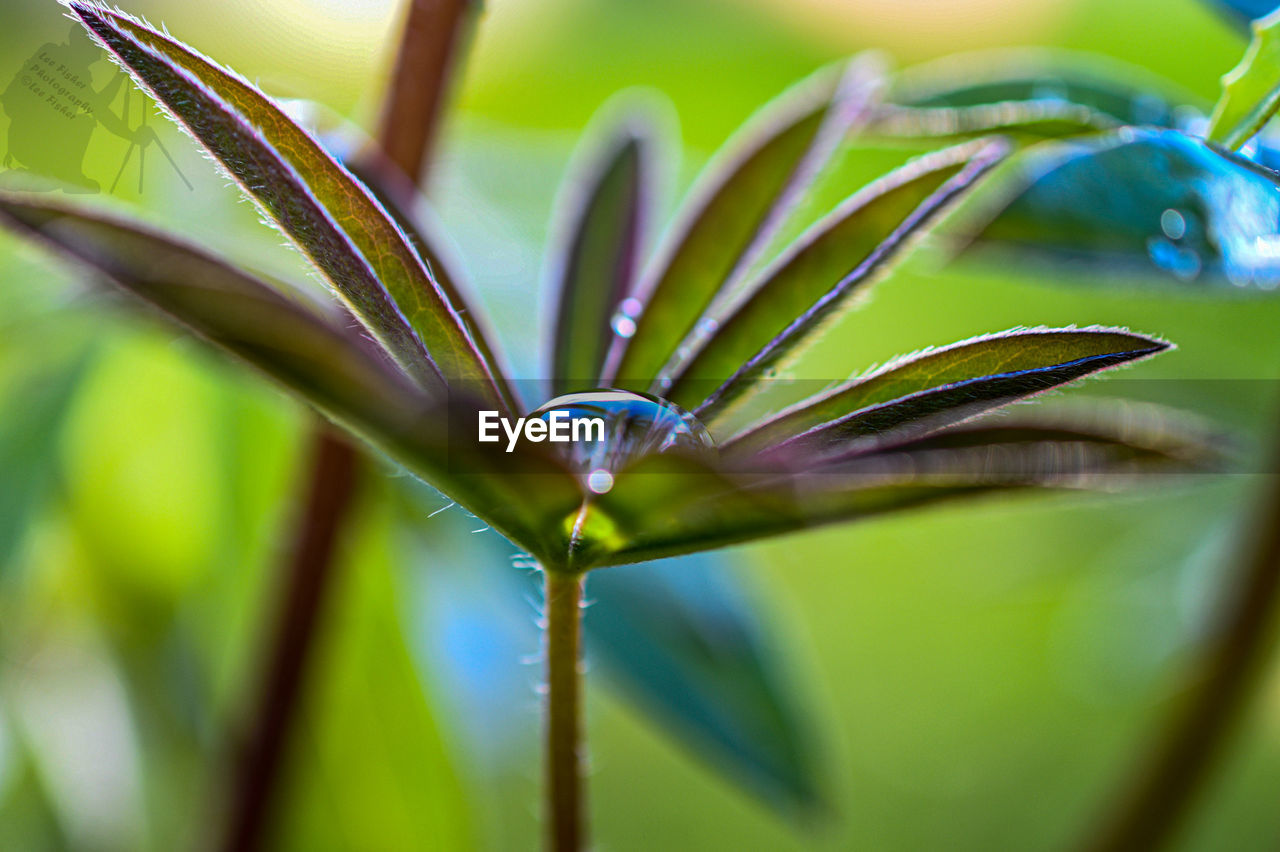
[1173, 224]
[600, 481]
[623, 325]
[708, 326]
[631, 307]
[634, 425]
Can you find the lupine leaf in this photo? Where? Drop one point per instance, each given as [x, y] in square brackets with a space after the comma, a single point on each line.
[329, 366]
[1140, 200]
[738, 204]
[594, 270]
[681, 638]
[704, 508]
[1251, 90]
[405, 204]
[815, 280]
[942, 386]
[330, 216]
[1032, 93]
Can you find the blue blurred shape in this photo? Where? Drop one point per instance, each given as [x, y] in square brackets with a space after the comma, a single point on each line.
[1143, 200]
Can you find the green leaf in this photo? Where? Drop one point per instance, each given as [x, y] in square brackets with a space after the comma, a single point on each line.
[594, 268]
[35, 411]
[411, 212]
[329, 215]
[681, 639]
[941, 386]
[374, 767]
[1027, 93]
[1250, 91]
[816, 278]
[329, 366]
[739, 203]
[703, 507]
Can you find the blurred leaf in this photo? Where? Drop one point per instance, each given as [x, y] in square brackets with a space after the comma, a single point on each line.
[324, 210]
[942, 386]
[738, 204]
[328, 366]
[815, 279]
[372, 769]
[1247, 10]
[35, 411]
[682, 638]
[1033, 93]
[606, 209]
[704, 508]
[1251, 90]
[1141, 200]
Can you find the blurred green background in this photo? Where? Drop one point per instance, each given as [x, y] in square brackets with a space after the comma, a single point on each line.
[982, 677]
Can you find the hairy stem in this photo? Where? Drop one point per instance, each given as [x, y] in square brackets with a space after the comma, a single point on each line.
[1183, 760]
[565, 786]
[433, 34]
[330, 494]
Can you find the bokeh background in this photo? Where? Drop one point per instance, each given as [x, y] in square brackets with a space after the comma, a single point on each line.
[976, 677]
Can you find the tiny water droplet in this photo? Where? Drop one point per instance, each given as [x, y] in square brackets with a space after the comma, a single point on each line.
[708, 326]
[631, 307]
[633, 425]
[623, 325]
[1173, 224]
[600, 481]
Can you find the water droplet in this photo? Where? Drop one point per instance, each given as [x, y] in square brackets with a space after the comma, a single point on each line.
[600, 481]
[633, 425]
[623, 325]
[1173, 224]
[708, 326]
[769, 372]
[631, 307]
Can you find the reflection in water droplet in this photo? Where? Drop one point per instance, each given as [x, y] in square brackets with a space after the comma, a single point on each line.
[623, 326]
[1182, 262]
[634, 425]
[600, 481]
[1173, 225]
[631, 307]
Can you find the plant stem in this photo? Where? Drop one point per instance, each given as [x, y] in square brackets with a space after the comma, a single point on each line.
[1181, 763]
[433, 33]
[565, 786]
[330, 494]
[410, 119]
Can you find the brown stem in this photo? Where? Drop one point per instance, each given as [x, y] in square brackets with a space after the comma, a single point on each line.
[433, 34]
[411, 113]
[1183, 760]
[565, 787]
[330, 494]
